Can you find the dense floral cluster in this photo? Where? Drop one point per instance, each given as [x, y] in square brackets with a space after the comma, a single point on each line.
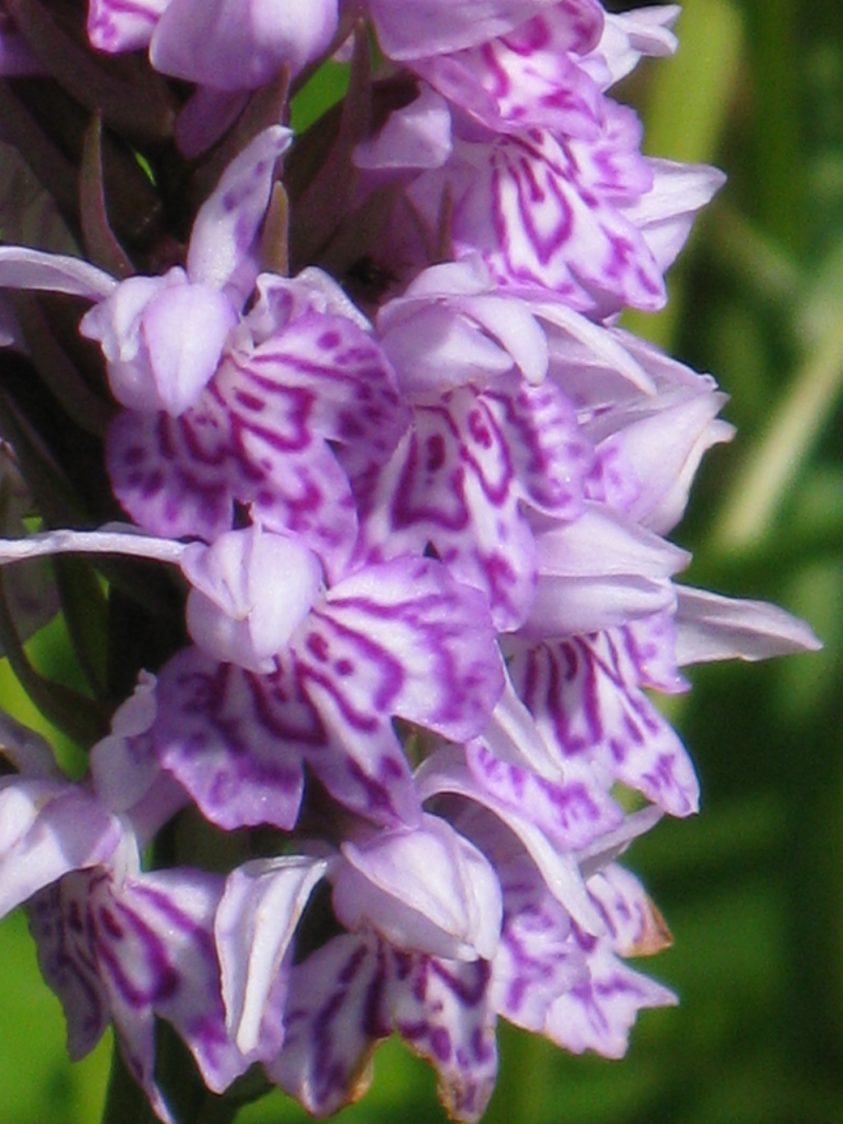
[373, 418]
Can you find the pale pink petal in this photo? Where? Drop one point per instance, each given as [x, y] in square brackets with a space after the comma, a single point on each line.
[572, 812]
[536, 960]
[132, 951]
[420, 646]
[667, 212]
[218, 735]
[599, 1014]
[334, 1015]
[237, 44]
[267, 432]
[446, 771]
[123, 25]
[426, 890]
[463, 477]
[443, 1011]
[354, 992]
[599, 572]
[48, 828]
[250, 591]
[630, 35]
[24, 268]
[711, 627]
[226, 226]
[429, 27]
[254, 928]
[647, 466]
[586, 699]
[530, 76]
[637, 927]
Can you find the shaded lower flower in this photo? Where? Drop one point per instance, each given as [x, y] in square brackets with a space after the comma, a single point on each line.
[425, 890]
[117, 945]
[354, 992]
[314, 1022]
[552, 978]
[598, 1012]
[127, 950]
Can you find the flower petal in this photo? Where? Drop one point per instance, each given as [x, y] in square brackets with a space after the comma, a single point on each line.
[426, 890]
[422, 644]
[446, 771]
[226, 226]
[335, 1013]
[599, 572]
[585, 697]
[123, 25]
[711, 627]
[23, 268]
[462, 478]
[219, 736]
[433, 27]
[229, 44]
[537, 960]
[48, 829]
[573, 813]
[442, 1011]
[255, 924]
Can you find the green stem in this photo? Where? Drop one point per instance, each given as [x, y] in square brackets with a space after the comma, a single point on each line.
[811, 831]
[526, 1064]
[779, 186]
[125, 1102]
[183, 1089]
[77, 716]
[765, 268]
[687, 111]
[793, 429]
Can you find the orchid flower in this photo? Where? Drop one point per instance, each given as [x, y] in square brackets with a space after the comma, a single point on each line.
[402, 492]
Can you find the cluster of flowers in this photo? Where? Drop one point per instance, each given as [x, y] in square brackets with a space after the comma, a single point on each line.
[414, 487]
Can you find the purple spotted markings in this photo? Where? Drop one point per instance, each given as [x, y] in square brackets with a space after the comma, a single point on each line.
[265, 430]
[440, 1009]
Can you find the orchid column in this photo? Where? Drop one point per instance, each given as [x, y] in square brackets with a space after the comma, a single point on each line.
[374, 727]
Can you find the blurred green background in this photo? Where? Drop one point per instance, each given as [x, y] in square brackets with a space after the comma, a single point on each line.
[753, 887]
